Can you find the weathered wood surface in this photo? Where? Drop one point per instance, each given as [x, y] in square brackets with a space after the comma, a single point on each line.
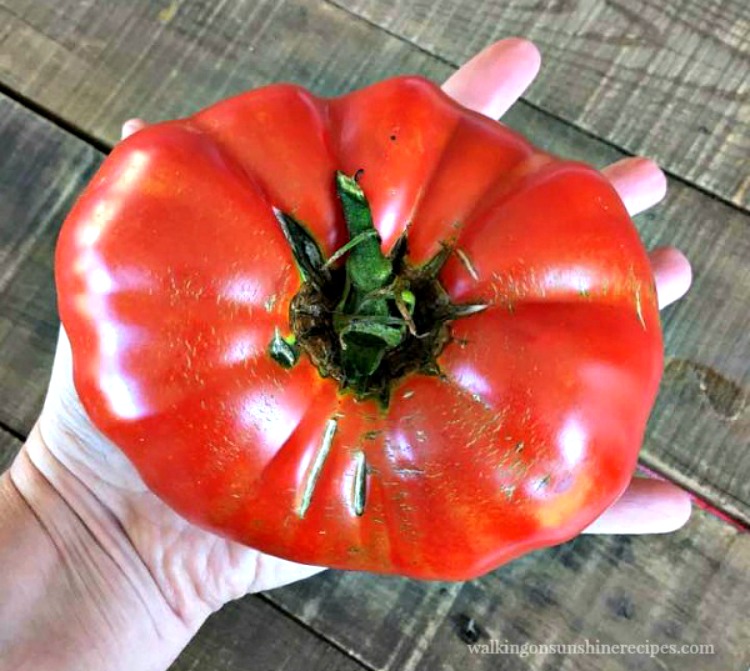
[701, 427]
[687, 588]
[42, 169]
[670, 80]
[9, 446]
[98, 63]
[667, 79]
[252, 634]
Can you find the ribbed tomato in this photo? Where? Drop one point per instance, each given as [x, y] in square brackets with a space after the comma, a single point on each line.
[465, 381]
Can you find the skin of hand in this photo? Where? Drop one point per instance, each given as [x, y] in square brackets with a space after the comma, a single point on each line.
[121, 581]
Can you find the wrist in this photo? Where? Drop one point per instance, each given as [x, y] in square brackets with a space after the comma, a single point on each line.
[76, 594]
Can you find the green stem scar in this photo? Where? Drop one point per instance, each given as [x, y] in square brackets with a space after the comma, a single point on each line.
[313, 474]
[359, 484]
[363, 317]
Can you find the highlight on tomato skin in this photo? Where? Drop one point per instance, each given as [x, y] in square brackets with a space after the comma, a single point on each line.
[377, 332]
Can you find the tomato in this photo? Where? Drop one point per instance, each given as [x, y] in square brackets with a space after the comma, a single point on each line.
[376, 332]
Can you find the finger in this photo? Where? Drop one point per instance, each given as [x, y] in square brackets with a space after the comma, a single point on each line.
[639, 182]
[132, 126]
[672, 273]
[647, 507]
[496, 77]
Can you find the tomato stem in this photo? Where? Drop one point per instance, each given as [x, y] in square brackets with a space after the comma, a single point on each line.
[367, 325]
[373, 318]
[367, 266]
[357, 239]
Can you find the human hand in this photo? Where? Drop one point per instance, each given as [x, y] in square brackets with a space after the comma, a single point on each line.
[195, 571]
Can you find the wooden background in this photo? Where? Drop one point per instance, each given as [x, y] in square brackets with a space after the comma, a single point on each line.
[666, 79]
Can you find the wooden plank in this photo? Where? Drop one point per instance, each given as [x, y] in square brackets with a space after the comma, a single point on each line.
[9, 446]
[41, 172]
[96, 64]
[665, 79]
[252, 634]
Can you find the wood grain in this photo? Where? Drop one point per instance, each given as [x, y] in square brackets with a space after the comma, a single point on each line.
[9, 446]
[253, 634]
[97, 63]
[682, 589]
[41, 172]
[670, 80]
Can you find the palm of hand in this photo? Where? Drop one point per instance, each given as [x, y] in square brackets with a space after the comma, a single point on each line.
[190, 565]
[198, 571]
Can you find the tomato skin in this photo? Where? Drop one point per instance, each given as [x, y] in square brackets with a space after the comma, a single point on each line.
[173, 275]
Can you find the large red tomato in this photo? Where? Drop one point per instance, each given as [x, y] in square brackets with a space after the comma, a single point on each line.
[469, 383]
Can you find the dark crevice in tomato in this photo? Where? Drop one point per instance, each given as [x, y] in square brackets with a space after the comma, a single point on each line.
[374, 318]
